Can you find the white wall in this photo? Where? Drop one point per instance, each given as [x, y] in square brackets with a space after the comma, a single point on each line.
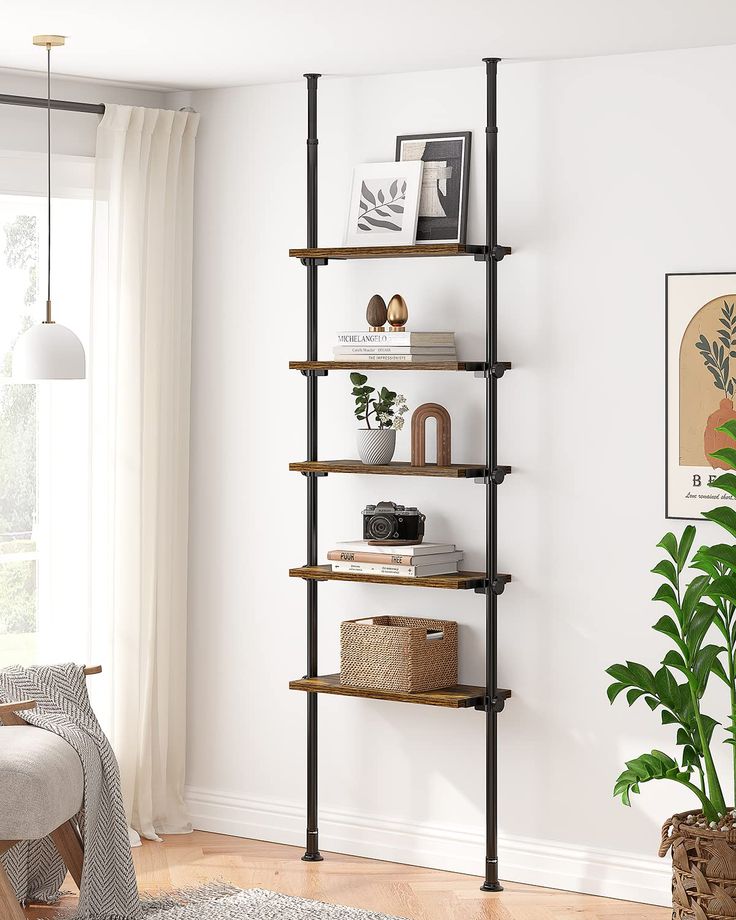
[612, 172]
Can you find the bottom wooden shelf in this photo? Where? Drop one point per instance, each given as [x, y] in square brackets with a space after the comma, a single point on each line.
[461, 696]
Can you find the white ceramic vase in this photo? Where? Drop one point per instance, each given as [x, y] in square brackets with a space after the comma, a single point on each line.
[376, 446]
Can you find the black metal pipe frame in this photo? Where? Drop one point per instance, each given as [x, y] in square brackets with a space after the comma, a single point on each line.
[312, 853]
[491, 868]
[493, 253]
[59, 105]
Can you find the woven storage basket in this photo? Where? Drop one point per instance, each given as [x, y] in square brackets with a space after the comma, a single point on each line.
[703, 869]
[394, 653]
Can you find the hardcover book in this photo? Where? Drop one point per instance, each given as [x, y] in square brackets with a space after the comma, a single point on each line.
[396, 338]
[413, 549]
[405, 359]
[342, 555]
[428, 350]
[400, 571]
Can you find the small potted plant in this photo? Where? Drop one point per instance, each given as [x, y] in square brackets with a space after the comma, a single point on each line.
[701, 625]
[376, 444]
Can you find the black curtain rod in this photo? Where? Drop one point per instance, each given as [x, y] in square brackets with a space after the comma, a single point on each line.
[59, 104]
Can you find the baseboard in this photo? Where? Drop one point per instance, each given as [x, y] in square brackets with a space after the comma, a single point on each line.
[535, 862]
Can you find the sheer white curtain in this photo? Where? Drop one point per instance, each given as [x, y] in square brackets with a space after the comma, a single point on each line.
[139, 374]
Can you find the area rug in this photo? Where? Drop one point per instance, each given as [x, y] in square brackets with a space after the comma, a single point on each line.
[225, 902]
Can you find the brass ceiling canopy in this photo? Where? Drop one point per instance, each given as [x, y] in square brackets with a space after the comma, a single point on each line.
[49, 41]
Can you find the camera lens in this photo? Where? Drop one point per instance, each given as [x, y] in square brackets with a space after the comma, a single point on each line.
[380, 527]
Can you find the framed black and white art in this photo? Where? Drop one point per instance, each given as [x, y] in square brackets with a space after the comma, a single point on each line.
[384, 204]
[443, 204]
[700, 382]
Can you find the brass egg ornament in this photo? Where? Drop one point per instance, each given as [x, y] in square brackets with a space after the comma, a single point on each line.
[397, 313]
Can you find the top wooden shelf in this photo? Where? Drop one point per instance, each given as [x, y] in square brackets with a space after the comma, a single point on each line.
[388, 252]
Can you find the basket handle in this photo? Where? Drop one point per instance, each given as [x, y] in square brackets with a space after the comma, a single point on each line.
[439, 637]
[667, 839]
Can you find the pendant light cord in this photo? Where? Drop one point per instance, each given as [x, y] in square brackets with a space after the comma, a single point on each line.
[48, 182]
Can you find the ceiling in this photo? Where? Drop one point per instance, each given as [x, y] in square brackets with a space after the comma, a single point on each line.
[190, 44]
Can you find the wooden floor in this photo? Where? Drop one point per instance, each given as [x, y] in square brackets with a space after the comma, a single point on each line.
[407, 891]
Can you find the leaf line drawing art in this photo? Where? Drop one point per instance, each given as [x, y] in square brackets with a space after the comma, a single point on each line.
[381, 210]
[717, 354]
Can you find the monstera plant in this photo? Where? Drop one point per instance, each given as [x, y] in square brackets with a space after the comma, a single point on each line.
[698, 591]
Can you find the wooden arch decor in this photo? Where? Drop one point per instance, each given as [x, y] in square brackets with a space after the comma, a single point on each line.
[419, 435]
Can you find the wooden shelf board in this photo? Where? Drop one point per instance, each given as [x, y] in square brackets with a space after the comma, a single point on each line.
[456, 581]
[388, 252]
[453, 471]
[387, 365]
[460, 696]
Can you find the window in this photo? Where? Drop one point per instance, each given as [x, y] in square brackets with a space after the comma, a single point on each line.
[44, 440]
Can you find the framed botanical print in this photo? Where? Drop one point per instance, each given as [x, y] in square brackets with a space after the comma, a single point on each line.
[443, 205]
[384, 204]
[700, 382]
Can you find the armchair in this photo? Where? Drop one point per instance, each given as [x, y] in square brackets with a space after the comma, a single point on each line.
[41, 792]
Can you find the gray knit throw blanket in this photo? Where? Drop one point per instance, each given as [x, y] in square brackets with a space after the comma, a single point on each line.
[35, 868]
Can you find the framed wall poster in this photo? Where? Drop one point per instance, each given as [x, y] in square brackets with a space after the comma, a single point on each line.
[700, 382]
[384, 204]
[443, 204]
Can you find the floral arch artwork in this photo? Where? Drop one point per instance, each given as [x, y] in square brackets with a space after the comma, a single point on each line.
[707, 381]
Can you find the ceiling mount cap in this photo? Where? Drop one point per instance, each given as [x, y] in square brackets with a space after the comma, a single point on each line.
[492, 60]
[49, 41]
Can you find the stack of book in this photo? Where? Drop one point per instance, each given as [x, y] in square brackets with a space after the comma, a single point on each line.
[414, 561]
[399, 347]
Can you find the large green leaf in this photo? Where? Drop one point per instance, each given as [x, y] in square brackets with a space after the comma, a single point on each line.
[656, 765]
[703, 665]
[667, 594]
[642, 676]
[686, 542]
[668, 626]
[666, 687]
[693, 593]
[727, 455]
[699, 561]
[709, 725]
[726, 517]
[690, 756]
[720, 554]
[667, 570]
[675, 660]
[633, 695]
[724, 586]
[699, 625]
[727, 482]
[621, 673]
[669, 543]
[729, 428]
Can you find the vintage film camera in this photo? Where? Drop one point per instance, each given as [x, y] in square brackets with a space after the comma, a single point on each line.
[389, 523]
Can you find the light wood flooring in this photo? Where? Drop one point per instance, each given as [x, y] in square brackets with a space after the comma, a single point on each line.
[407, 891]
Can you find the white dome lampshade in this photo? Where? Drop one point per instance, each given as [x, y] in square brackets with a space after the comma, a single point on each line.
[48, 351]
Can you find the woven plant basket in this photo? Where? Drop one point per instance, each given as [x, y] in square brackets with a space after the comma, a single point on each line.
[394, 653]
[703, 869]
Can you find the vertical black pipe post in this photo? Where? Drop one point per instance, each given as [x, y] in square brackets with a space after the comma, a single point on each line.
[491, 868]
[312, 853]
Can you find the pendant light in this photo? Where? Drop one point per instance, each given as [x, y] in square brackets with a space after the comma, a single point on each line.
[48, 351]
